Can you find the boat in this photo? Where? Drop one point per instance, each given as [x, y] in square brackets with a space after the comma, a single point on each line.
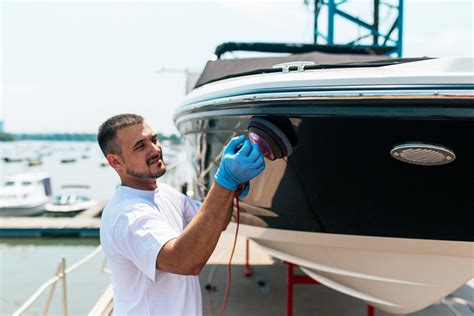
[24, 194]
[72, 199]
[12, 160]
[68, 160]
[34, 162]
[104, 164]
[373, 194]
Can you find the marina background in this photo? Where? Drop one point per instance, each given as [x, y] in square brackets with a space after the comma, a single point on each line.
[67, 66]
[25, 263]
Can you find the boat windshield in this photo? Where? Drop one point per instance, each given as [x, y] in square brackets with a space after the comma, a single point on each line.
[81, 198]
[64, 199]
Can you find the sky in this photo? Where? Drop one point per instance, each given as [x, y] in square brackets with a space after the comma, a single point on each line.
[66, 66]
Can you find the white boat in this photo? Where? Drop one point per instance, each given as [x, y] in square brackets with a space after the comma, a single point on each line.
[71, 200]
[24, 194]
[376, 199]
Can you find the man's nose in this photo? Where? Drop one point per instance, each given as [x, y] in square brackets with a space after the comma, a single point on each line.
[156, 147]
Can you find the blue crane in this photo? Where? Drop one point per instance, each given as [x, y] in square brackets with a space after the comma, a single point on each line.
[383, 34]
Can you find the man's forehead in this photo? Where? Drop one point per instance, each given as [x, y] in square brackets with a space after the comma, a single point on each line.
[134, 133]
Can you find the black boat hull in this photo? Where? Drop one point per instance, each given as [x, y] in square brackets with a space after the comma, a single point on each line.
[341, 178]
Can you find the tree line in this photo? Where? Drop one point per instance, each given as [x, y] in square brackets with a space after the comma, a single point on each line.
[71, 137]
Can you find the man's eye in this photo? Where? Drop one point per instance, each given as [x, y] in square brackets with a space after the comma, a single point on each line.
[154, 140]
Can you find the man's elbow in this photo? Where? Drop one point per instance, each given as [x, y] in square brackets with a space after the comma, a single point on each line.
[175, 260]
[194, 269]
[187, 268]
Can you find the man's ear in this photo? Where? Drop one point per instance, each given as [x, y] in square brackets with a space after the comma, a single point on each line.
[115, 162]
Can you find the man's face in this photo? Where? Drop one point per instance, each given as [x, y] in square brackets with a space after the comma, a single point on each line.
[142, 155]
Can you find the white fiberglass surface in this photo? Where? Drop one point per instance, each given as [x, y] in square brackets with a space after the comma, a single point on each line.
[447, 71]
[397, 275]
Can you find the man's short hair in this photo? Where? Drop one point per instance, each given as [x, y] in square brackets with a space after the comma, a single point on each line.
[107, 136]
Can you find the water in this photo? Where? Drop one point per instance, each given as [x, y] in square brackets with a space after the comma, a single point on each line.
[27, 263]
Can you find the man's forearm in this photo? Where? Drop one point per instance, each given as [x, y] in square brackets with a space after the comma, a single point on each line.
[188, 253]
[229, 217]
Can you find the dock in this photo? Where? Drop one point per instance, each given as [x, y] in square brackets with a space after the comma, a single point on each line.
[264, 291]
[85, 224]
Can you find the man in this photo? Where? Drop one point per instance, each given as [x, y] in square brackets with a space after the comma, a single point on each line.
[156, 239]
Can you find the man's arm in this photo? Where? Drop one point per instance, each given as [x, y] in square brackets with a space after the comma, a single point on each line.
[188, 253]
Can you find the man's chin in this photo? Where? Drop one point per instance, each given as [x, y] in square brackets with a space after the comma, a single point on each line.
[147, 176]
[159, 173]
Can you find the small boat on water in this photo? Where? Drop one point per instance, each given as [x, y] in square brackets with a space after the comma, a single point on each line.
[12, 160]
[34, 162]
[24, 194]
[68, 160]
[373, 194]
[71, 200]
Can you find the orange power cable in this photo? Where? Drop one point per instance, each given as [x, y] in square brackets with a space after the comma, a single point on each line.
[229, 266]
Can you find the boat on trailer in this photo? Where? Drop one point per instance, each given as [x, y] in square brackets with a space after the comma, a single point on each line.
[375, 199]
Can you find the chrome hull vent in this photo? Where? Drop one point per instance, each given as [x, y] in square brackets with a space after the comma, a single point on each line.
[423, 154]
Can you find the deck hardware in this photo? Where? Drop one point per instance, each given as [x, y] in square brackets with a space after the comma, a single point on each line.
[299, 65]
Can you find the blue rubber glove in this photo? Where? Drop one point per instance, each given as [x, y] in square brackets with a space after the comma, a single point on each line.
[239, 166]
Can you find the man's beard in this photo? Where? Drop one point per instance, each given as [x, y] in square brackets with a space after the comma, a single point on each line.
[146, 175]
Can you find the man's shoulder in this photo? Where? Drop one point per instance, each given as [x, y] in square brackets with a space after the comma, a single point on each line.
[125, 205]
[170, 195]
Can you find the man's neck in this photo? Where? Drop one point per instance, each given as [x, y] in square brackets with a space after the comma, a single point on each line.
[140, 184]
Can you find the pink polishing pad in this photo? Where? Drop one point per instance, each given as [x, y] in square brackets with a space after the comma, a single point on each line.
[262, 144]
[276, 142]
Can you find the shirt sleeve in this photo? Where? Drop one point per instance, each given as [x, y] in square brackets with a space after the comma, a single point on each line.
[139, 235]
[190, 208]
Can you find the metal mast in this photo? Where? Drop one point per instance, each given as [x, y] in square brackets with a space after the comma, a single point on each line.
[383, 33]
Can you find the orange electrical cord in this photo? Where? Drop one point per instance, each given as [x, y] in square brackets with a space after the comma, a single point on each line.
[229, 266]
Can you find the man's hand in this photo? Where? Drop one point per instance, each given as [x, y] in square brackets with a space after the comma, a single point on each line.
[239, 166]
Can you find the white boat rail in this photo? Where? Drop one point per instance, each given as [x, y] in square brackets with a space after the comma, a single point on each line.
[60, 276]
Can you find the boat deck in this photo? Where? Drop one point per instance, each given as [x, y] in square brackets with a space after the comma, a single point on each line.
[85, 224]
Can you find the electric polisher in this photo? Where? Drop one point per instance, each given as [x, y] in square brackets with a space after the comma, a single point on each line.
[271, 138]
[275, 139]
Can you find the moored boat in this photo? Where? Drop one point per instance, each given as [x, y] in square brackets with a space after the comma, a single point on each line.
[72, 199]
[376, 197]
[68, 160]
[24, 194]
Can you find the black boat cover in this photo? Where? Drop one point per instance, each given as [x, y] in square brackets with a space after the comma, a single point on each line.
[228, 68]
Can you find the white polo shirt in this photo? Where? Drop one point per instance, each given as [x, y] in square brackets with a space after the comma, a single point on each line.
[135, 225]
